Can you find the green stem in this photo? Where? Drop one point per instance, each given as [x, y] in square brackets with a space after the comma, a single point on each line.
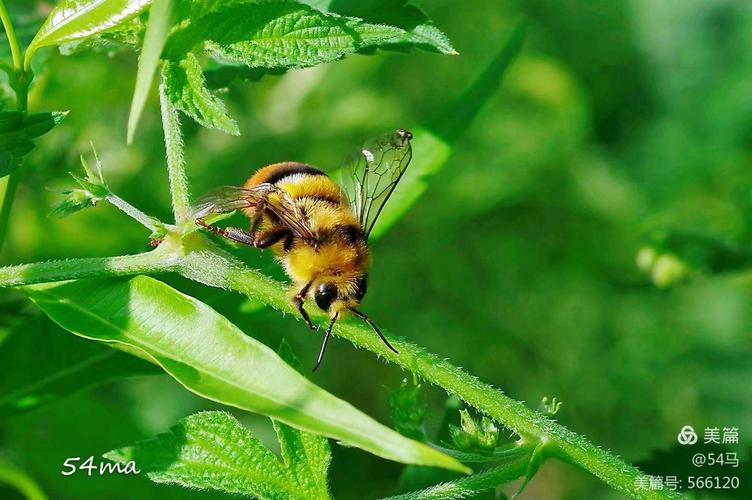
[175, 159]
[467, 486]
[197, 258]
[160, 260]
[19, 84]
[211, 266]
[15, 49]
[135, 213]
[9, 191]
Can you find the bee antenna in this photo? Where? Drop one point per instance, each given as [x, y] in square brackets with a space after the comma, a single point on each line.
[325, 342]
[375, 328]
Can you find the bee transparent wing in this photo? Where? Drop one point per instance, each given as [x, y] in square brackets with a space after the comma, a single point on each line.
[275, 200]
[224, 199]
[370, 177]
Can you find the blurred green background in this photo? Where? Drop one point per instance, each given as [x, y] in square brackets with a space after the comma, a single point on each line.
[621, 124]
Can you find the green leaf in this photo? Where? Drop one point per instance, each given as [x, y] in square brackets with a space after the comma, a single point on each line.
[189, 456]
[212, 450]
[306, 455]
[74, 20]
[407, 411]
[186, 88]
[62, 365]
[277, 35]
[421, 31]
[154, 40]
[213, 358]
[17, 132]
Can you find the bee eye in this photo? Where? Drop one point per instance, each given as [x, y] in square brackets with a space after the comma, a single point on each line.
[325, 295]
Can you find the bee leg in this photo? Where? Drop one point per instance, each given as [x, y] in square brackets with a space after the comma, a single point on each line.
[258, 214]
[325, 343]
[298, 301]
[231, 233]
[266, 239]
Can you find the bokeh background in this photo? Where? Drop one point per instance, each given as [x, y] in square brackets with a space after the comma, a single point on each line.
[622, 125]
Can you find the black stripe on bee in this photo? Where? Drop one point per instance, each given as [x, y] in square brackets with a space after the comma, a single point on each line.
[352, 234]
[292, 169]
[323, 198]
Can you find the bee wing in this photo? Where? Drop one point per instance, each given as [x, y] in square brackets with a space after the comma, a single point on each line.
[225, 199]
[274, 199]
[289, 214]
[370, 177]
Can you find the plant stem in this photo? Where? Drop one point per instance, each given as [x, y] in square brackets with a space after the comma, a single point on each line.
[156, 261]
[211, 266]
[466, 486]
[19, 84]
[197, 258]
[135, 213]
[15, 49]
[175, 159]
[9, 191]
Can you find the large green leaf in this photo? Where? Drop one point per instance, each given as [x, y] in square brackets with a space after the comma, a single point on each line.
[42, 363]
[74, 20]
[189, 456]
[17, 131]
[212, 450]
[213, 358]
[277, 34]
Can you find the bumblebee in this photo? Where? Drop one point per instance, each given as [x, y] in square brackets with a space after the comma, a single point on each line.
[317, 228]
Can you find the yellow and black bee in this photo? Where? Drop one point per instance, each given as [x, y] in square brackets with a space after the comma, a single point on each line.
[318, 229]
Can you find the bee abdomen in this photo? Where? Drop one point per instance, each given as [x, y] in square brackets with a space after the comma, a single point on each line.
[274, 173]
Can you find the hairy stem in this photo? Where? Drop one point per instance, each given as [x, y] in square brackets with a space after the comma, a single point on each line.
[211, 266]
[156, 261]
[175, 159]
[135, 213]
[468, 486]
[197, 258]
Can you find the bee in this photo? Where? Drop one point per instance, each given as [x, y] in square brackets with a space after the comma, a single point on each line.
[317, 228]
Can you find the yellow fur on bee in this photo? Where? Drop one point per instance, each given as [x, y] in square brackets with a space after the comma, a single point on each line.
[332, 260]
[304, 185]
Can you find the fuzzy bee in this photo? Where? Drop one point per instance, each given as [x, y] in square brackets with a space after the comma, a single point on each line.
[317, 229]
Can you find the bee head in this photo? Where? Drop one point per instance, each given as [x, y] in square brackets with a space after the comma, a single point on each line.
[333, 296]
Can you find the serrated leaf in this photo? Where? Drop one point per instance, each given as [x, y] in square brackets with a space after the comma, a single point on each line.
[154, 40]
[185, 86]
[278, 35]
[213, 358]
[74, 20]
[307, 455]
[420, 29]
[17, 132]
[212, 450]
